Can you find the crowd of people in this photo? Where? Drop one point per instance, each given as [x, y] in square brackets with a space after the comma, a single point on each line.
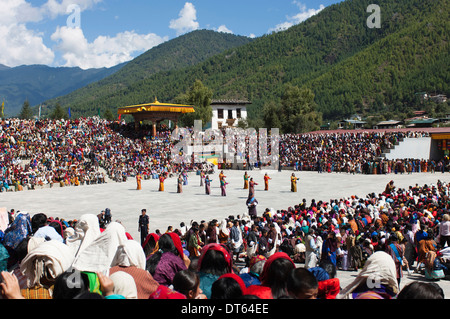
[80, 152]
[39, 153]
[291, 253]
[352, 152]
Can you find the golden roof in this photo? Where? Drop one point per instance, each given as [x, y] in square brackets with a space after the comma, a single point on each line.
[156, 106]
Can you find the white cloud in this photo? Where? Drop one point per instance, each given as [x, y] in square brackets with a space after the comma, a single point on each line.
[56, 8]
[19, 44]
[223, 28]
[303, 15]
[19, 11]
[186, 21]
[104, 51]
[22, 46]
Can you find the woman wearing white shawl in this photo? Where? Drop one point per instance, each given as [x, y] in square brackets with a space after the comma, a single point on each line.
[98, 255]
[86, 230]
[130, 253]
[130, 258]
[377, 280]
[124, 285]
[224, 231]
[47, 260]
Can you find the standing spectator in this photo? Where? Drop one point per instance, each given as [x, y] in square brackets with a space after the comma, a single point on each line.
[311, 253]
[397, 253]
[144, 225]
[444, 231]
[236, 239]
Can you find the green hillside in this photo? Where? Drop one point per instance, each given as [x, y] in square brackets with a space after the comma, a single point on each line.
[385, 77]
[181, 52]
[347, 65]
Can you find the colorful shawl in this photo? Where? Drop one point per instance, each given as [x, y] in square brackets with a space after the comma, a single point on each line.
[17, 231]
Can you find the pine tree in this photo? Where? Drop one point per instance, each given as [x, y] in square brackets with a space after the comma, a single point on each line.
[26, 113]
[58, 113]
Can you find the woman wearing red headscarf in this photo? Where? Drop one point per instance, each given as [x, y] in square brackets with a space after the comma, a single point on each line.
[273, 277]
[215, 261]
[167, 259]
[149, 244]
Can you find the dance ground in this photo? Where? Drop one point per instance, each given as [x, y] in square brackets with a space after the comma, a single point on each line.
[170, 208]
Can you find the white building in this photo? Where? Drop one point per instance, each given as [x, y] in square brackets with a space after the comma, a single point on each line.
[228, 112]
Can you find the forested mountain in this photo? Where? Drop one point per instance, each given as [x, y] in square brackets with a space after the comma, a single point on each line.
[182, 52]
[348, 66]
[385, 77]
[38, 83]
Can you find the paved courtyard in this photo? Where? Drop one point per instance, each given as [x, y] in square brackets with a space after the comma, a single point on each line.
[170, 208]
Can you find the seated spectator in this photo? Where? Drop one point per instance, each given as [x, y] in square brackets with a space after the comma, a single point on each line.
[302, 284]
[273, 278]
[187, 282]
[228, 286]
[215, 261]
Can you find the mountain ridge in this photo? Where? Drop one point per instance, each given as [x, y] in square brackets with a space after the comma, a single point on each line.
[38, 83]
[176, 54]
[304, 54]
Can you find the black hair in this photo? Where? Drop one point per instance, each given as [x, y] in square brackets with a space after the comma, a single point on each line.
[214, 263]
[301, 280]
[193, 266]
[149, 246]
[226, 288]
[70, 284]
[38, 221]
[421, 290]
[165, 244]
[185, 281]
[277, 276]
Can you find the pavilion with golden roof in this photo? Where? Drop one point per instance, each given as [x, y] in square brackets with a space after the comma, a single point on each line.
[156, 112]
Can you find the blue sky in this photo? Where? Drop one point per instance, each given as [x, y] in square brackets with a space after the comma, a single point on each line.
[104, 33]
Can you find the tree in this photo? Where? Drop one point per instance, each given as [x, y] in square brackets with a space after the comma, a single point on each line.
[298, 110]
[242, 123]
[200, 97]
[26, 113]
[271, 115]
[58, 113]
[108, 115]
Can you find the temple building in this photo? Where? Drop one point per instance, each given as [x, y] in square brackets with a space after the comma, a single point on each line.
[155, 112]
[228, 112]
